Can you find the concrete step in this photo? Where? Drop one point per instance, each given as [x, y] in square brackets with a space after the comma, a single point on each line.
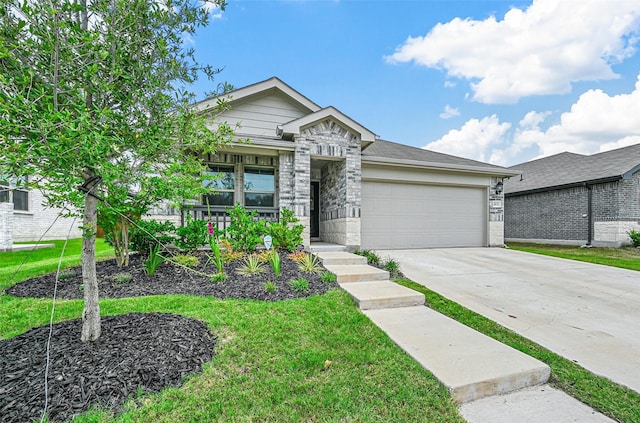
[340, 258]
[373, 295]
[471, 365]
[317, 247]
[357, 273]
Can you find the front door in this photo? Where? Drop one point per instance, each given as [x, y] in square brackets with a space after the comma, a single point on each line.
[315, 209]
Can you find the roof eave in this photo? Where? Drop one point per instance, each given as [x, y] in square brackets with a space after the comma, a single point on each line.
[566, 186]
[439, 166]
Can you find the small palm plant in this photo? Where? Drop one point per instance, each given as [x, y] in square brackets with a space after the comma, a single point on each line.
[310, 263]
[251, 265]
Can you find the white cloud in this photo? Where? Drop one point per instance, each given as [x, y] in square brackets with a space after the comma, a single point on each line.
[212, 8]
[474, 140]
[536, 51]
[449, 84]
[449, 112]
[596, 122]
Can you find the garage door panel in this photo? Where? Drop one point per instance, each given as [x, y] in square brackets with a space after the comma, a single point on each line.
[397, 215]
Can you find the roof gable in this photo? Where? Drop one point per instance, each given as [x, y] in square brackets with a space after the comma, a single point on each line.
[271, 85]
[295, 126]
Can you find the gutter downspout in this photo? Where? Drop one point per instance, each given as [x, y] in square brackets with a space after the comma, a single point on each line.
[589, 214]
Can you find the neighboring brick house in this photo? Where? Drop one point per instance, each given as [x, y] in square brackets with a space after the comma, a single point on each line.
[575, 199]
[23, 217]
[344, 184]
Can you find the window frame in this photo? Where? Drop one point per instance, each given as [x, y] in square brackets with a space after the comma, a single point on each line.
[215, 169]
[9, 187]
[273, 173]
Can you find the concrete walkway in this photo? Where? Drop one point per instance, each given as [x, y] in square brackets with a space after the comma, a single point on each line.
[480, 373]
[585, 312]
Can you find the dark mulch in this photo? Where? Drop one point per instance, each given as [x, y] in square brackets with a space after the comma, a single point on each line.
[173, 279]
[136, 352]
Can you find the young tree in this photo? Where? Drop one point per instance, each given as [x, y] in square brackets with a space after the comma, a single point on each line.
[90, 90]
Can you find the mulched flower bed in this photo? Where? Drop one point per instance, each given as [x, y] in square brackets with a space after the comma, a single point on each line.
[136, 352]
[173, 279]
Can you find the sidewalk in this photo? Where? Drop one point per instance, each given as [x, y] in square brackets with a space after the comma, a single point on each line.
[492, 382]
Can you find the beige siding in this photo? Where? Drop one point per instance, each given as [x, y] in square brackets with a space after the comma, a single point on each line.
[260, 116]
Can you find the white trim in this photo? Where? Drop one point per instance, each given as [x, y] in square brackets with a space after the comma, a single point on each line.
[295, 126]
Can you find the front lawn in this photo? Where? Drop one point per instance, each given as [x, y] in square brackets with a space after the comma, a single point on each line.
[625, 258]
[309, 359]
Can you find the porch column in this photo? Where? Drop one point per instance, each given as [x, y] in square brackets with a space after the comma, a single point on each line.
[302, 187]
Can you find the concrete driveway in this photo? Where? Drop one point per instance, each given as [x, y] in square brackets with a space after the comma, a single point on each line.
[585, 312]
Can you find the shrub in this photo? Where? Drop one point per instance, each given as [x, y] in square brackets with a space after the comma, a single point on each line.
[284, 233]
[328, 277]
[67, 274]
[299, 285]
[251, 265]
[310, 263]
[123, 278]
[219, 277]
[148, 233]
[392, 266]
[228, 254]
[193, 235]
[372, 258]
[297, 256]
[635, 238]
[244, 231]
[270, 286]
[186, 260]
[155, 259]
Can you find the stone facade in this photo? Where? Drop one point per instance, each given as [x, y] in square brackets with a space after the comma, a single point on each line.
[340, 181]
[496, 213]
[561, 216]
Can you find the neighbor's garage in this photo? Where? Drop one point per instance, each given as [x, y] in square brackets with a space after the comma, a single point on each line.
[411, 215]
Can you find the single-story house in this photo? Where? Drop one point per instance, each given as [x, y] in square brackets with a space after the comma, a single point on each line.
[23, 217]
[575, 199]
[346, 185]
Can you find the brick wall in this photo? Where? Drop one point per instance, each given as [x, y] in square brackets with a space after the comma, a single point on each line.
[561, 214]
[41, 221]
[552, 215]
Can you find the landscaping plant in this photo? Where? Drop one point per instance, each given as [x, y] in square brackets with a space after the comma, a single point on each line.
[245, 231]
[251, 265]
[270, 286]
[310, 263]
[285, 233]
[274, 261]
[193, 235]
[328, 277]
[392, 266]
[299, 284]
[635, 237]
[153, 261]
[146, 233]
[186, 260]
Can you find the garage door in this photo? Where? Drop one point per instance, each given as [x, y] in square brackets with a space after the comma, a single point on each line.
[400, 215]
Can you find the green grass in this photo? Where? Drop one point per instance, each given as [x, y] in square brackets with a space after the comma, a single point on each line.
[611, 399]
[269, 364]
[39, 262]
[625, 258]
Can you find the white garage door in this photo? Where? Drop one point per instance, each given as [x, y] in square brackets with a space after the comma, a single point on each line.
[400, 215]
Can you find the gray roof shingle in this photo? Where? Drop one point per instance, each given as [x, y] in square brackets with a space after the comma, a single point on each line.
[572, 169]
[387, 150]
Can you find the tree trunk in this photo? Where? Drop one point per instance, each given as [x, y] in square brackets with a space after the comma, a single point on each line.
[91, 312]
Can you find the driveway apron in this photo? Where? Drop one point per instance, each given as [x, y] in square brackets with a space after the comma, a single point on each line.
[585, 312]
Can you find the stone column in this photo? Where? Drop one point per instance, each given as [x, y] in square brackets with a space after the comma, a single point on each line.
[302, 187]
[6, 226]
[496, 213]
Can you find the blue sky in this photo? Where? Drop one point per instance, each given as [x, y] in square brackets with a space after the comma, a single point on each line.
[498, 81]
